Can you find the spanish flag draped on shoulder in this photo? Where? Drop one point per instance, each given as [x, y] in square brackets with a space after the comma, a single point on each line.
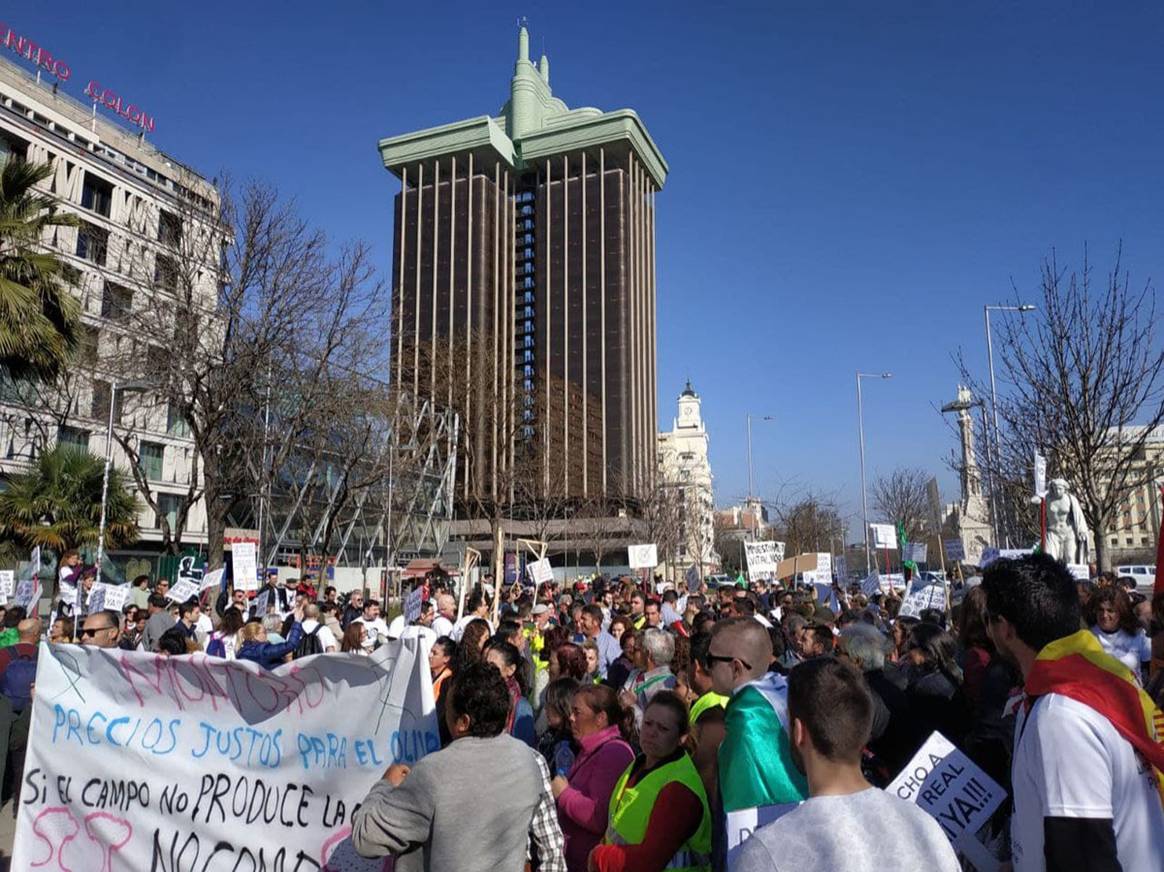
[755, 759]
[1077, 667]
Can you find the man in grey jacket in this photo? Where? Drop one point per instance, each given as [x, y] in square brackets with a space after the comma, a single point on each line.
[475, 805]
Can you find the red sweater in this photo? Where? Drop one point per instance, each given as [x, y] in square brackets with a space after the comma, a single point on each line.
[674, 819]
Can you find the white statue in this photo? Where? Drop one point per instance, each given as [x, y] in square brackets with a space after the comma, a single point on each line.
[1066, 526]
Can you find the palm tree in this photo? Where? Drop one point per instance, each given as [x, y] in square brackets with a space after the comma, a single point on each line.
[57, 504]
[39, 316]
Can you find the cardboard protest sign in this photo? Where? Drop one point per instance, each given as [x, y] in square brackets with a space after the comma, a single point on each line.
[414, 602]
[7, 585]
[871, 583]
[244, 566]
[1079, 571]
[107, 596]
[949, 787]
[183, 590]
[212, 579]
[884, 536]
[742, 823]
[763, 557]
[540, 571]
[955, 550]
[138, 761]
[927, 596]
[642, 556]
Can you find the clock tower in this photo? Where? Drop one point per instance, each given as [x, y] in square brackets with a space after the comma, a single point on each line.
[685, 470]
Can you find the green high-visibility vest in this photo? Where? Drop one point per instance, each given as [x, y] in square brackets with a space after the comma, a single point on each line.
[630, 812]
[711, 699]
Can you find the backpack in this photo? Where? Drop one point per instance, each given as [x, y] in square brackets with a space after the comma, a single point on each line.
[216, 647]
[309, 644]
[17, 681]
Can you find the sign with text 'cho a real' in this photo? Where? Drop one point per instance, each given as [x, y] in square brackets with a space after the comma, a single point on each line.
[642, 556]
[949, 787]
[138, 761]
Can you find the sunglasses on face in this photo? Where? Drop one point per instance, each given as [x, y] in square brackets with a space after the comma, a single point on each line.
[93, 631]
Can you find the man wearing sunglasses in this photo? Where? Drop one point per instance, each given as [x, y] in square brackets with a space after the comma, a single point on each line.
[756, 766]
[101, 629]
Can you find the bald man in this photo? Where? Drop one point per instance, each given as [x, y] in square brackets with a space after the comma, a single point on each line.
[756, 767]
[21, 660]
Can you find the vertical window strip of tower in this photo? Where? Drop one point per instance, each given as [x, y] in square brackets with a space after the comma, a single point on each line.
[525, 266]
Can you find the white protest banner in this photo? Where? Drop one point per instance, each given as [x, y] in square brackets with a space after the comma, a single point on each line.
[212, 579]
[916, 551]
[185, 589]
[414, 602]
[762, 557]
[1040, 475]
[137, 761]
[1079, 571]
[540, 571]
[989, 555]
[7, 585]
[884, 536]
[742, 823]
[642, 556]
[949, 786]
[955, 550]
[244, 566]
[892, 581]
[928, 596]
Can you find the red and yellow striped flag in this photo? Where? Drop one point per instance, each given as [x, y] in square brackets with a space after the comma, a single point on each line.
[1077, 667]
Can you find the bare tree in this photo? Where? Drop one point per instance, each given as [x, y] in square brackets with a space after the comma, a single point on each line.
[901, 498]
[808, 523]
[1082, 384]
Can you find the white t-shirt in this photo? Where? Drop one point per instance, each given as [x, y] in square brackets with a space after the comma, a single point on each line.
[1069, 761]
[1130, 650]
[326, 637]
[841, 834]
[442, 626]
[459, 627]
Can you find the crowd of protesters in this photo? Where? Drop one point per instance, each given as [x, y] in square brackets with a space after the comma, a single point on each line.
[615, 725]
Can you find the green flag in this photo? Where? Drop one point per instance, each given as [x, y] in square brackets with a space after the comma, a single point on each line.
[902, 542]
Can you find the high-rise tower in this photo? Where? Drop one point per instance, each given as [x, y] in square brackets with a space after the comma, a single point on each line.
[524, 289]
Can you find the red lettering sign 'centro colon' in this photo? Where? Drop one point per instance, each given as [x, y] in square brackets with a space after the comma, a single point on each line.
[112, 100]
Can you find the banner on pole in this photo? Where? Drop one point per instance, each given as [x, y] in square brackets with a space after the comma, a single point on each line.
[1040, 475]
[7, 585]
[884, 536]
[244, 566]
[107, 596]
[642, 556]
[139, 761]
[763, 557]
[186, 589]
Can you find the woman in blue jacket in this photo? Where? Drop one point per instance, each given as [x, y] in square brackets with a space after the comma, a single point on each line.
[255, 646]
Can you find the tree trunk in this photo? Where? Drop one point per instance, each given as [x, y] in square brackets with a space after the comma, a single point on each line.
[1099, 535]
[215, 515]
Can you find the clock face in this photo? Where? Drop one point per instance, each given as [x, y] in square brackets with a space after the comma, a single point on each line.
[688, 415]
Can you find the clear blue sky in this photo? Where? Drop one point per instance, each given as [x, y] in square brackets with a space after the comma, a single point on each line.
[850, 181]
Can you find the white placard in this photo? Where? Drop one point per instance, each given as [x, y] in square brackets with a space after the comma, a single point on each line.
[244, 566]
[989, 555]
[540, 571]
[1040, 475]
[916, 551]
[929, 596]
[871, 583]
[1079, 571]
[950, 787]
[213, 578]
[7, 585]
[34, 559]
[884, 536]
[68, 594]
[892, 581]
[214, 757]
[186, 589]
[742, 823]
[762, 557]
[107, 596]
[955, 550]
[841, 569]
[642, 556]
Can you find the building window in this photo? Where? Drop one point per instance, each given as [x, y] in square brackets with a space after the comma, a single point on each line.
[1129, 540]
[116, 302]
[99, 408]
[88, 345]
[72, 437]
[97, 195]
[169, 229]
[175, 424]
[166, 273]
[150, 458]
[10, 146]
[168, 506]
[92, 243]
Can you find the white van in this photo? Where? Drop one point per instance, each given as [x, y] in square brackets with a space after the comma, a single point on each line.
[1145, 576]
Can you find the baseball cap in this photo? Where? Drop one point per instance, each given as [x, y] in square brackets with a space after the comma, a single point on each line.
[539, 609]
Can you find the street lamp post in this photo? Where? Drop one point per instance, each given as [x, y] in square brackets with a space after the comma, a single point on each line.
[751, 485]
[1025, 307]
[861, 444]
[113, 389]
